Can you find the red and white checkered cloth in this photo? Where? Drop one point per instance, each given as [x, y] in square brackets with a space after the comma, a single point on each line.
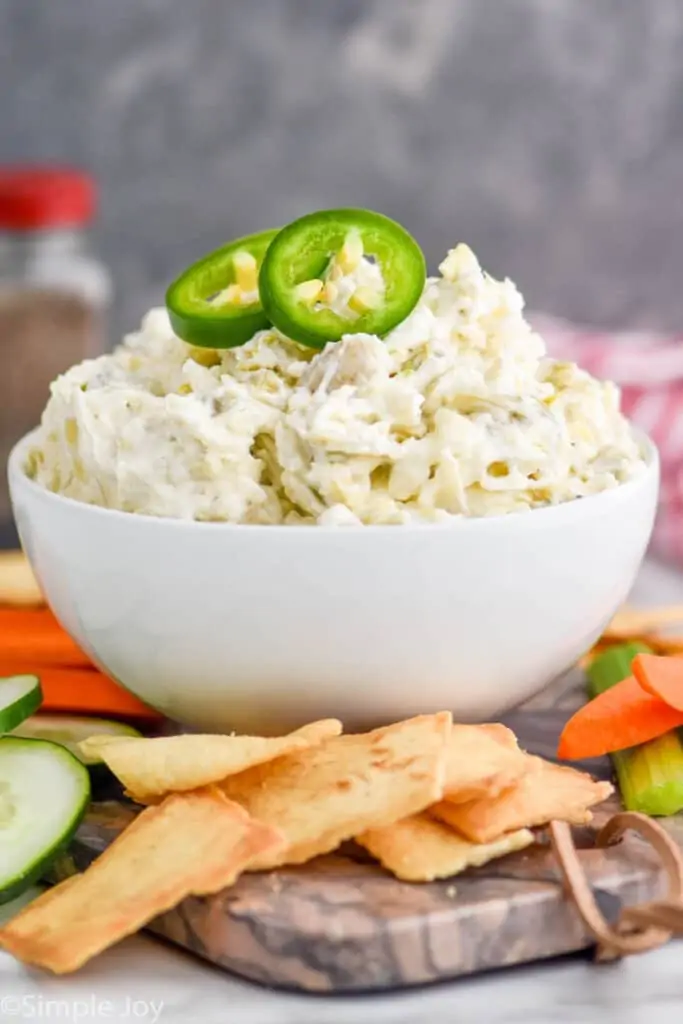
[648, 367]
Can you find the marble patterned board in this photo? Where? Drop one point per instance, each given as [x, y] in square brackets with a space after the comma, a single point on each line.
[342, 924]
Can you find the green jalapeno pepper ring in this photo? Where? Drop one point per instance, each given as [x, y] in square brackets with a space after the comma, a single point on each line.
[199, 322]
[302, 251]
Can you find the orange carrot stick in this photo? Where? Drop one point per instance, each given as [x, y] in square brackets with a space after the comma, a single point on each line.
[622, 716]
[34, 639]
[661, 677]
[41, 650]
[32, 667]
[88, 692]
[33, 642]
[27, 619]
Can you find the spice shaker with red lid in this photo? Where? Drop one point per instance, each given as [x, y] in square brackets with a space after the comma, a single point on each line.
[53, 295]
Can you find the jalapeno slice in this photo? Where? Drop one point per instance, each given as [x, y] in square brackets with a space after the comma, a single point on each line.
[215, 303]
[339, 272]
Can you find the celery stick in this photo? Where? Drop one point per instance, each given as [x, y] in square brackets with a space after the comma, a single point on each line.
[610, 667]
[650, 775]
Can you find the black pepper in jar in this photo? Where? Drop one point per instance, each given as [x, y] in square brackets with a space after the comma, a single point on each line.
[53, 296]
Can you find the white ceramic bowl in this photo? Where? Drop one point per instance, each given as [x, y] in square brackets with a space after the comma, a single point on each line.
[259, 628]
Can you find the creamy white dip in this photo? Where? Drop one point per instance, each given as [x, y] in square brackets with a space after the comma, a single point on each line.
[458, 411]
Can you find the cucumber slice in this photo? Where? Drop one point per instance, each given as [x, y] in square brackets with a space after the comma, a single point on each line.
[69, 730]
[20, 696]
[44, 792]
[8, 910]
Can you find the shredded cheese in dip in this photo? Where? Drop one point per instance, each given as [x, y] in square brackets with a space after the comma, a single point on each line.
[457, 412]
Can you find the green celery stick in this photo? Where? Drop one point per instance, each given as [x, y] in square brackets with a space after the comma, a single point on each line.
[650, 775]
[610, 667]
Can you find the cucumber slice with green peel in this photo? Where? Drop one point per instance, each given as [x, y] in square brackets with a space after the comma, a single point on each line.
[44, 792]
[69, 730]
[20, 696]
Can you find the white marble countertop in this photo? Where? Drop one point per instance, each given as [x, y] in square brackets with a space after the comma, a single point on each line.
[143, 980]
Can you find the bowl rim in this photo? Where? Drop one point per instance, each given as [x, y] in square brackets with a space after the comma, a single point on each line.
[555, 514]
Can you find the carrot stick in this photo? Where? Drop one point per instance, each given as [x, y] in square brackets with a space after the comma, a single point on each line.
[89, 692]
[22, 619]
[33, 651]
[33, 642]
[621, 717]
[32, 667]
[661, 677]
[650, 774]
[34, 639]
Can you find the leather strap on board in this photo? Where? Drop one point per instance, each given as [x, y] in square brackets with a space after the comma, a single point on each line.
[642, 927]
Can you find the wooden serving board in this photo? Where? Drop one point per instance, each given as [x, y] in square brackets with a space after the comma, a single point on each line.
[342, 924]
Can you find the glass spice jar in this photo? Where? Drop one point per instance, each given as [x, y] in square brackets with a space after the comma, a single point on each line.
[53, 296]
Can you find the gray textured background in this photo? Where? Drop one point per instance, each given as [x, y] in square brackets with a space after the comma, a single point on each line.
[547, 133]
